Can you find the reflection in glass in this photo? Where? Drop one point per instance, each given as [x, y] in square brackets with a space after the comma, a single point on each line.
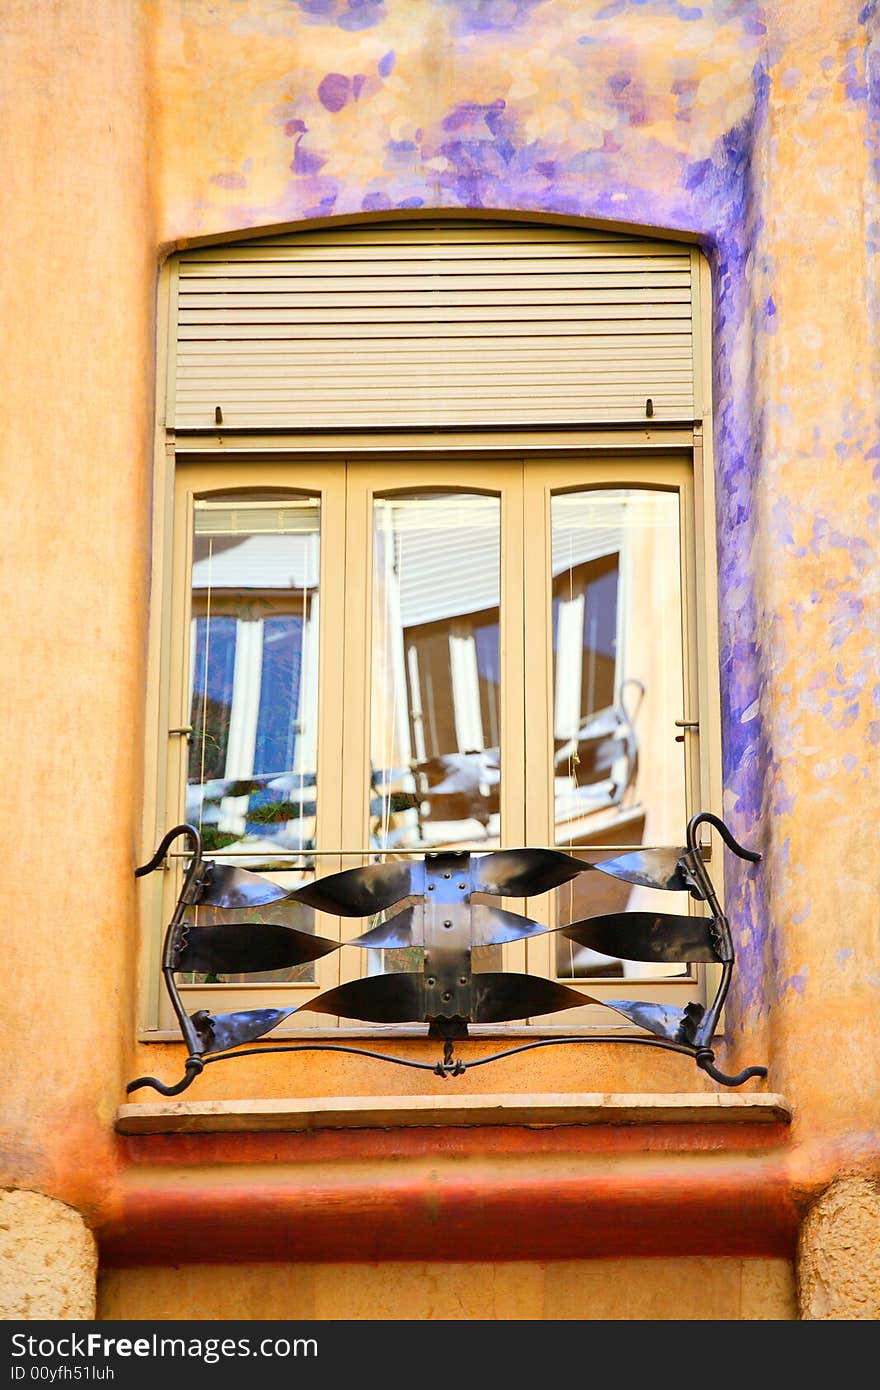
[302, 918]
[251, 776]
[435, 730]
[618, 771]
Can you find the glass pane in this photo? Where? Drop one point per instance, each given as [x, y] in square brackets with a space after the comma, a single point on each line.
[435, 732]
[251, 783]
[618, 771]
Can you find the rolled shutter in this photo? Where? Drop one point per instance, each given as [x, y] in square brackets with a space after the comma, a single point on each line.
[460, 323]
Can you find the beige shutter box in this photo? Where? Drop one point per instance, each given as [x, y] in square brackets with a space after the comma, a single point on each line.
[434, 323]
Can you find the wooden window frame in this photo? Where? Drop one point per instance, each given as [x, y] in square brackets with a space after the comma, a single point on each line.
[247, 461]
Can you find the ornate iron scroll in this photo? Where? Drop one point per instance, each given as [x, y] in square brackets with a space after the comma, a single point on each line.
[446, 926]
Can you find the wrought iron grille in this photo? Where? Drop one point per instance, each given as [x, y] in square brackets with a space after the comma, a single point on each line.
[445, 924]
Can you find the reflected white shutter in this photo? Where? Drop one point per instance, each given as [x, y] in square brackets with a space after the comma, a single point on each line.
[437, 323]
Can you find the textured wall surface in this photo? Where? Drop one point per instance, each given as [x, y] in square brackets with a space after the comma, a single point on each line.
[48, 1259]
[78, 370]
[754, 128]
[839, 1255]
[588, 1290]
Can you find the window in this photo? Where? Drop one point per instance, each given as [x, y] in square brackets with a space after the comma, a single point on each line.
[387, 643]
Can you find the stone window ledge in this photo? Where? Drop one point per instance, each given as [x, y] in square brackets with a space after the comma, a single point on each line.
[393, 1112]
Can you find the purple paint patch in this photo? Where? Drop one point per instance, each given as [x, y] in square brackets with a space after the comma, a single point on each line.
[334, 91]
[386, 64]
[803, 914]
[845, 617]
[401, 154]
[486, 16]
[796, 982]
[324, 206]
[843, 956]
[305, 162]
[361, 14]
[469, 112]
[852, 78]
[347, 14]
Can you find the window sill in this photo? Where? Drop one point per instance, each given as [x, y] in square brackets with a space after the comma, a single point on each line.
[393, 1112]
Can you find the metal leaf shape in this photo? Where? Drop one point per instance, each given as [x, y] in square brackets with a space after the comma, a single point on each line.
[397, 931]
[226, 886]
[377, 999]
[490, 926]
[248, 947]
[523, 873]
[221, 1031]
[650, 936]
[502, 996]
[659, 1019]
[361, 892]
[650, 868]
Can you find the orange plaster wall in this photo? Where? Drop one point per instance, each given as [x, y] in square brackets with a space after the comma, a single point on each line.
[816, 375]
[131, 126]
[77, 222]
[695, 1289]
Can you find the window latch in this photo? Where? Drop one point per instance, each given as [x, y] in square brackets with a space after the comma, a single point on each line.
[685, 724]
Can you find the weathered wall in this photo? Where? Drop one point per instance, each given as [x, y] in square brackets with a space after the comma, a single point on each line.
[838, 1268]
[755, 128]
[78, 372]
[580, 1290]
[136, 127]
[48, 1260]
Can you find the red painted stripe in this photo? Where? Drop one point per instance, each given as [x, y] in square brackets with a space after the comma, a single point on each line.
[328, 1145]
[540, 1207]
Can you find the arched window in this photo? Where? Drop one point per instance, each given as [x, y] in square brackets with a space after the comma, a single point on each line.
[442, 566]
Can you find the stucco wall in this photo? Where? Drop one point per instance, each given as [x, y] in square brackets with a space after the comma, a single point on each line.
[78, 371]
[754, 127]
[48, 1260]
[136, 127]
[594, 1290]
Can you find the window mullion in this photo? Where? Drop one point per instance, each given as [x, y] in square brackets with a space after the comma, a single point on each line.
[538, 667]
[514, 659]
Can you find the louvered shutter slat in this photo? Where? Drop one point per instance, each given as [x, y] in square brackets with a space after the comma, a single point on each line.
[417, 324]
